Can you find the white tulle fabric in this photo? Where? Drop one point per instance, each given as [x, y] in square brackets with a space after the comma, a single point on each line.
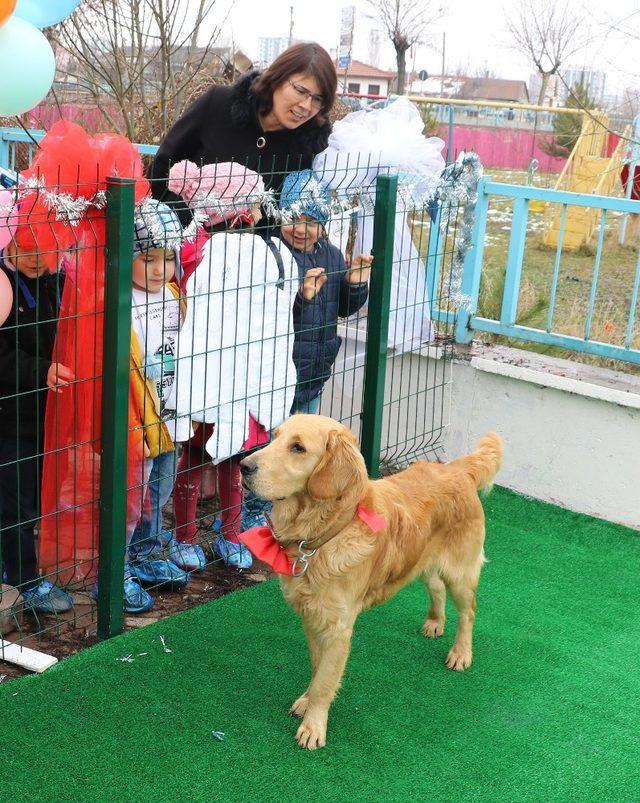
[234, 355]
[362, 146]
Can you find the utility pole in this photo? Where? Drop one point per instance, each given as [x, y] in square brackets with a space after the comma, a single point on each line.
[444, 45]
[290, 25]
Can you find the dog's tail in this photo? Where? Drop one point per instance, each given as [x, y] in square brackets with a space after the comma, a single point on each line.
[483, 464]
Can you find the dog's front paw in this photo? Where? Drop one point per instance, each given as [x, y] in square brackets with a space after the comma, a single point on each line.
[459, 658]
[433, 628]
[299, 708]
[311, 735]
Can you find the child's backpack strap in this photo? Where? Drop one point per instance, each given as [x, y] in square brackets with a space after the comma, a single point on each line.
[278, 257]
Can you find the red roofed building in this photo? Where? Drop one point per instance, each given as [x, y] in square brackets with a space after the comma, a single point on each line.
[364, 79]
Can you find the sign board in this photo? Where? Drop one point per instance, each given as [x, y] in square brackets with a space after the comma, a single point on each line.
[423, 75]
[344, 62]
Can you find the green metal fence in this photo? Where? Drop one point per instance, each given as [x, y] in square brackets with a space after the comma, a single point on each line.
[388, 380]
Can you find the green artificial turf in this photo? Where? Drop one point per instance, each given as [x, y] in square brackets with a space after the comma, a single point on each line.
[550, 709]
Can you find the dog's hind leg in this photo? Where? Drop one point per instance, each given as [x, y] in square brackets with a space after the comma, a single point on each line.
[463, 593]
[434, 623]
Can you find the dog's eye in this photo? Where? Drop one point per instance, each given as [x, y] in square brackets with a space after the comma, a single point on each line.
[298, 447]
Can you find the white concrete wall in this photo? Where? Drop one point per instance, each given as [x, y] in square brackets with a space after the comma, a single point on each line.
[568, 440]
[571, 432]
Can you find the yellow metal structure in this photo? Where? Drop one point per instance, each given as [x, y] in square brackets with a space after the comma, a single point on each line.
[588, 171]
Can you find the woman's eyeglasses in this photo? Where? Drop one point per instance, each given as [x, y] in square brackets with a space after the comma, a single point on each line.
[303, 93]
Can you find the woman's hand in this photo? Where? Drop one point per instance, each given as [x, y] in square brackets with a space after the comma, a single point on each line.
[360, 269]
[314, 280]
[59, 376]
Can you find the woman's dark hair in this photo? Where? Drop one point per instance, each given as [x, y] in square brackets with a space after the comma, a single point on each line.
[305, 58]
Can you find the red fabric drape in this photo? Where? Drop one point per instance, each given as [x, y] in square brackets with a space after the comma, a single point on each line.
[69, 531]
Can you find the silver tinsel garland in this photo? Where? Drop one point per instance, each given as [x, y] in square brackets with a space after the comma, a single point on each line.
[68, 208]
[455, 188]
[459, 187]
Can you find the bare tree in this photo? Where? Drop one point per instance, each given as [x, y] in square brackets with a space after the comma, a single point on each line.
[405, 22]
[547, 32]
[140, 61]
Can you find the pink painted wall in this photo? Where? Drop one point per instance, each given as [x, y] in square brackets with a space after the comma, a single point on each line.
[89, 117]
[510, 148]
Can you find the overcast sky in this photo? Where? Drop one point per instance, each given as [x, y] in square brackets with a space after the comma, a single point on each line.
[475, 34]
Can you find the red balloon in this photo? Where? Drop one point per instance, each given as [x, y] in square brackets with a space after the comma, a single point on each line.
[7, 7]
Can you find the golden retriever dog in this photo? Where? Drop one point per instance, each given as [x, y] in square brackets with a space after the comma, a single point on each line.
[433, 529]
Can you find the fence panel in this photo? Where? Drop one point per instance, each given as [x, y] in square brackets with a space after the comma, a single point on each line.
[135, 452]
[579, 300]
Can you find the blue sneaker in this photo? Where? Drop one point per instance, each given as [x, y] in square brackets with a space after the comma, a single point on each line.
[235, 555]
[159, 572]
[252, 513]
[136, 599]
[47, 598]
[189, 557]
[150, 547]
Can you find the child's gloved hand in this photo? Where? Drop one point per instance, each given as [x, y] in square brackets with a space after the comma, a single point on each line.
[314, 280]
[59, 376]
[360, 269]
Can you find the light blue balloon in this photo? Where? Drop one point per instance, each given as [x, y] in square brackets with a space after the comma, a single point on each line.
[44, 13]
[27, 66]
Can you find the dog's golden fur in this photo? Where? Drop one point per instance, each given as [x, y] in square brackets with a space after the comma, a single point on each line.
[315, 475]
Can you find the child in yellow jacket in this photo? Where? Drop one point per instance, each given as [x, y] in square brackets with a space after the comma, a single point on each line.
[154, 558]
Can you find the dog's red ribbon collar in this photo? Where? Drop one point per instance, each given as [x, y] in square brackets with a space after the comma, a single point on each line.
[262, 543]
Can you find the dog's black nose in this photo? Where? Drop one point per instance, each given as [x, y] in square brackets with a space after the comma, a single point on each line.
[248, 467]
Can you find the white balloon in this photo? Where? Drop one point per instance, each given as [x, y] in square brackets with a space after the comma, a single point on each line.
[27, 66]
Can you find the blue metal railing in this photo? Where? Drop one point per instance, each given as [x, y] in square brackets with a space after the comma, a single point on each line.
[469, 322]
[11, 137]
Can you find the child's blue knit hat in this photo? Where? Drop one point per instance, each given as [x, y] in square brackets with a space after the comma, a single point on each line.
[303, 194]
[156, 225]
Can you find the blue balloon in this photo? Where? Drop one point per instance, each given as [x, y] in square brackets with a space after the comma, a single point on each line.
[27, 66]
[45, 13]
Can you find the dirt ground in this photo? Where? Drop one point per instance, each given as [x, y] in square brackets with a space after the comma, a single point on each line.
[65, 637]
[66, 634]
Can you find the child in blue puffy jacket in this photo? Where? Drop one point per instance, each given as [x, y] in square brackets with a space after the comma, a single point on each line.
[329, 289]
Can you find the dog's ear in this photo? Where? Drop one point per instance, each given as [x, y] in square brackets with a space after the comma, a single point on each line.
[342, 466]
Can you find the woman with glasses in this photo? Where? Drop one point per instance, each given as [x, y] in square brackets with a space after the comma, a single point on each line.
[272, 122]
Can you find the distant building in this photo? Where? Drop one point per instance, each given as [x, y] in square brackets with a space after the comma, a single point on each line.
[554, 94]
[360, 36]
[592, 80]
[364, 79]
[495, 89]
[270, 47]
[436, 86]
[229, 63]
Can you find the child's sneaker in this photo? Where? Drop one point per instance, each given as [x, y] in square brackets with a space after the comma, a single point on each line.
[136, 599]
[252, 513]
[159, 572]
[189, 557]
[47, 598]
[232, 553]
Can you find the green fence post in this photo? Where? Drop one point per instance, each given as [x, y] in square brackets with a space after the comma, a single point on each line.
[115, 405]
[378, 321]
